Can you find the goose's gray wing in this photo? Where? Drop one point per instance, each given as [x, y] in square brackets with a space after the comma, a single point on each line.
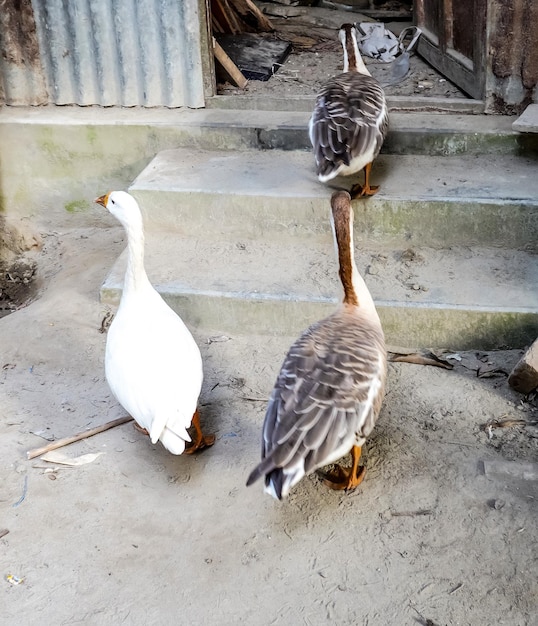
[350, 118]
[326, 398]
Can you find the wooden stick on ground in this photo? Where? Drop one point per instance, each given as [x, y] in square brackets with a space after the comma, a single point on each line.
[230, 68]
[60, 443]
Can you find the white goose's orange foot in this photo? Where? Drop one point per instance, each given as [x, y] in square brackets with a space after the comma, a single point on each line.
[206, 442]
[140, 429]
[200, 441]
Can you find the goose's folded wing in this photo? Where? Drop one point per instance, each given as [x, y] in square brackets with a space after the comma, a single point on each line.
[349, 118]
[325, 397]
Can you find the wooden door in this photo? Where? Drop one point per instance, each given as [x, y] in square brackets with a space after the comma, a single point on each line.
[454, 40]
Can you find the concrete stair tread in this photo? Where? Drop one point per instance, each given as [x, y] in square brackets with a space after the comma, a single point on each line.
[399, 122]
[239, 239]
[284, 174]
[195, 118]
[424, 201]
[229, 277]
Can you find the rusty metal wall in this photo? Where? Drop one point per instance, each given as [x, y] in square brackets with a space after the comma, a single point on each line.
[101, 52]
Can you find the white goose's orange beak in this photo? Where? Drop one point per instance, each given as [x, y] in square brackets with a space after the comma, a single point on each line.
[102, 200]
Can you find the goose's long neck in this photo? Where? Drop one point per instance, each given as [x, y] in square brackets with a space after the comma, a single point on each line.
[135, 274]
[356, 293]
[352, 57]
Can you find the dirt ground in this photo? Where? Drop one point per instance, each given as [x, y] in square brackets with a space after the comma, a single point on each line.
[441, 532]
[316, 56]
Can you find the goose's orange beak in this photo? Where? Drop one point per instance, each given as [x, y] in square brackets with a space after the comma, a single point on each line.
[102, 200]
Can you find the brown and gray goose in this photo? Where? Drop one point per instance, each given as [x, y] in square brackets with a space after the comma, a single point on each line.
[350, 120]
[329, 391]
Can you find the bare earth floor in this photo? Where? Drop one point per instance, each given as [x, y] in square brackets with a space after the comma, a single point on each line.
[141, 537]
[316, 57]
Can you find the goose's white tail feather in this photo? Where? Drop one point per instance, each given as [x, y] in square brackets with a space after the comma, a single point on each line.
[173, 442]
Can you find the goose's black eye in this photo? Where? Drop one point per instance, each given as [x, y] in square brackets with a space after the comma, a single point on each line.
[112, 201]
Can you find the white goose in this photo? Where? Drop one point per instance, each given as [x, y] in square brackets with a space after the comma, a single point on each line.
[152, 363]
[350, 120]
[328, 394]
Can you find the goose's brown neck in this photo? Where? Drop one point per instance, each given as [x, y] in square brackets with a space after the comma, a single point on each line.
[352, 59]
[342, 219]
[350, 48]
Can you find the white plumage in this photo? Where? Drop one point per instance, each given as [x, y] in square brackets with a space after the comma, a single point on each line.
[152, 363]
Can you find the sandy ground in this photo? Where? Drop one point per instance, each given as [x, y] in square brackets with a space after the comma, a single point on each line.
[139, 536]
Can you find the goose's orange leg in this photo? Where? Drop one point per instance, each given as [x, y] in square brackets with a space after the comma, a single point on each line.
[139, 428]
[359, 191]
[200, 441]
[346, 478]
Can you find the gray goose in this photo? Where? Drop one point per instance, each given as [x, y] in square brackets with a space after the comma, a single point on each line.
[329, 391]
[350, 120]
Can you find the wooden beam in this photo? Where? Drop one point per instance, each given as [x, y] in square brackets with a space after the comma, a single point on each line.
[252, 15]
[230, 68]
[226, 17]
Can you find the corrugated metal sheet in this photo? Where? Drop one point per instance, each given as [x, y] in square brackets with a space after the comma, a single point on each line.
[21, 73]
[101, 52]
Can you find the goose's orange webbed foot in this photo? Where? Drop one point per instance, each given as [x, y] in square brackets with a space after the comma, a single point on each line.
[200, 441]
[346, 477]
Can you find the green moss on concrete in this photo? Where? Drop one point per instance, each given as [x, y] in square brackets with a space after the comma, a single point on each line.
[91, 135]
[77, 206]
[446, 143]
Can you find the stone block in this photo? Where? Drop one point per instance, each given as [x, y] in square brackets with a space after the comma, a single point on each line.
[524, 376]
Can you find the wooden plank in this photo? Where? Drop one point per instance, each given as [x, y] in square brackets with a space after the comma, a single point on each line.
[252, 15]
[257, 56]
[225, 16]
[457, 70]
[453, 41]
[230, 68]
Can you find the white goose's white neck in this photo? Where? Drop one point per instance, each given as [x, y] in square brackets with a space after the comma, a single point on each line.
[135, 275]
[352, 57]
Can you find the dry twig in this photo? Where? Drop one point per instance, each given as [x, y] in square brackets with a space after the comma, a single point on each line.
[60, 443]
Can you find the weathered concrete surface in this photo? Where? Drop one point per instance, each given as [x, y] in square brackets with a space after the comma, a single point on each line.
[292, 102]
[432, 201]
[139, 536]
[248, 244]
[425, 297]
[55, 159]
[527, 122]
[142, 537]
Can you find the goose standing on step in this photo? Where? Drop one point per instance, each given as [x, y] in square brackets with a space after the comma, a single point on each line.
[328, 394]
[152, 363]
[350, 120]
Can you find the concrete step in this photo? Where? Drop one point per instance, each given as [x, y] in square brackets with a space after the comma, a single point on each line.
[305, 102]
[241, 241]
[409, 133]
[458, 298]
[489, 200]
